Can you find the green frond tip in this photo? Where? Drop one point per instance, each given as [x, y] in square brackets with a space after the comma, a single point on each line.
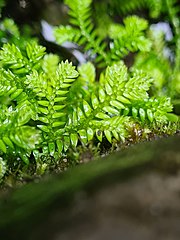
[66, 70]
[87, 72]
[124, 87]
[82, 31]
[78, 3]
[64, 33]
[21, 62]
[130, 37]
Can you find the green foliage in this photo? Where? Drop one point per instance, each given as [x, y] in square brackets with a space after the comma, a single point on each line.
[49, 108]
[44, 111]
[122, 39]
[129, 38]
[162, 67]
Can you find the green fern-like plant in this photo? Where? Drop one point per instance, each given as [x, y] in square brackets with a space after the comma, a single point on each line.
[49, 108]
[43, 113]
[122, 39]
[30, 81]
[164, 68]
[119, 101]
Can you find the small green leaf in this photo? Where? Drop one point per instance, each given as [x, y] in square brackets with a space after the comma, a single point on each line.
[83, 136]
[128, 95]
[80, 114]
[25, 158]
[26, 137]
[111, 110]
[66, 143]
[16, 93]
[115, 134]
[65, 85]
[58, 114]
[99, 135]
[123, 100]
[87, 71]
[87, 108]
[150, 115]
[43, 103]
[142, 114]
[40, 94]
[51, 147]
[90, 134]
[11, 90]
[59, 144]
[45, 148]
[74, 139]
[108, 89]
[8, 142]
[102, 95]
[102, 115]
[44, 128]
[117, 104]
[126, 111]
[24, 115]
[58, 124]
[95, 101]
[44, 119]
[134, 112]
[2, 146]
[43, 110]
[68, 80]
[59, 99]
[61, 92]
[58, 107]
[108, 135]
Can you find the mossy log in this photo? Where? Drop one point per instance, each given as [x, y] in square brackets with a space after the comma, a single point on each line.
[129, 195]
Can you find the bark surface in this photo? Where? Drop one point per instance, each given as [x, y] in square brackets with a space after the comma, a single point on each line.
[129, 195]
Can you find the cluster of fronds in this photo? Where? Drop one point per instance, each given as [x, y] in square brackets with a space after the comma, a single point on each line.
[42, 113]
[126, 38]
[48, 107]
[163, 62]
[123, 39]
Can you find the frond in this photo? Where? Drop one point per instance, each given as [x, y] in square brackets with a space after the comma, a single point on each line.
[102, 17]
[65, 33]
[120, 101]
[130, 37]
[11, 57]
[51, 92]
[82, 32]
[39, 84]
[16, 66]
[157, 64]
[14, 131]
